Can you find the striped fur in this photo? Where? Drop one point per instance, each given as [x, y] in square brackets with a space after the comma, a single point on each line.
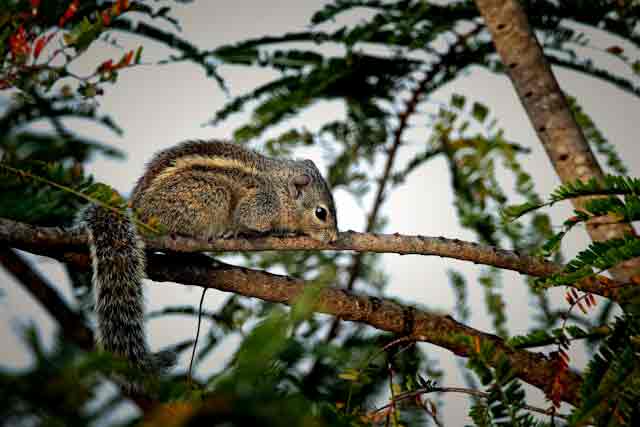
[203, 189]
[213, 189]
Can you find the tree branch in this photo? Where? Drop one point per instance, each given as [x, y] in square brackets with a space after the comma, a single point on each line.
[46, 240]
[71, 323]
[200, 270]
[549, 112]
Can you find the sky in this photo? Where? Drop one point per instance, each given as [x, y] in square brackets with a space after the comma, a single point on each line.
[158, 106]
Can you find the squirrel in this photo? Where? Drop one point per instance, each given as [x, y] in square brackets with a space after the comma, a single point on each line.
[203, 189]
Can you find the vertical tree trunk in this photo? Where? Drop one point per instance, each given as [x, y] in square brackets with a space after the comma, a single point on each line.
[548, 110]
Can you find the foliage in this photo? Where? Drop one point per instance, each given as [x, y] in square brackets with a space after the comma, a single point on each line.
[293, 368]
[67, 381]
[596, 138]
[610, 391]
[503, 406]
[604, 400]
[30, 29]
[609, 185]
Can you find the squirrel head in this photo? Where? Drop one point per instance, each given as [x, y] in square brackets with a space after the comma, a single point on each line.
[315, 209]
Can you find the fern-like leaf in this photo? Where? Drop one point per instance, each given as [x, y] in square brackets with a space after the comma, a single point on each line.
[598, 257]
[611, 185]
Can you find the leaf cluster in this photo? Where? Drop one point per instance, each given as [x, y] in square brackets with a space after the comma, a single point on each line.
[504, 404]
[609, 392]
[57, 389]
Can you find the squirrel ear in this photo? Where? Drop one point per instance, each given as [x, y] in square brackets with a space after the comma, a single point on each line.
[297, 183]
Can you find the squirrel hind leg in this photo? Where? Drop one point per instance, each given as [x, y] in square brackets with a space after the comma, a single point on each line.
[257, 212]
[194, 208]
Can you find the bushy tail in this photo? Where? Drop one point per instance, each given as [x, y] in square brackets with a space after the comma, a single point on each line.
[117, 254]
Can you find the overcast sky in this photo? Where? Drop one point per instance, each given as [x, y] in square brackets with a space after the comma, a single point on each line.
[160, 106]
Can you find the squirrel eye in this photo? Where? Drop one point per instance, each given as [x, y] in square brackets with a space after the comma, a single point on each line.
[321, 213]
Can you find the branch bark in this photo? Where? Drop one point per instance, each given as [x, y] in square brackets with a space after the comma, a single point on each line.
[200, 270]
[71, 243]
[549, 112]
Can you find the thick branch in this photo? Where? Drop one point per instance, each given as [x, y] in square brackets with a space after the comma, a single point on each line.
[200, 270]
[548, 111]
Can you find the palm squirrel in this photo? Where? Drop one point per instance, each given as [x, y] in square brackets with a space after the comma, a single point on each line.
[197, 189]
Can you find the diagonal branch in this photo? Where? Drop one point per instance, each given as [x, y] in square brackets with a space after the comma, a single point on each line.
[200, 270]
[71, 323]
[548, 111]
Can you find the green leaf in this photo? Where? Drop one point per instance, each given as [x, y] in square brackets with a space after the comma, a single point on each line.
[480, 112]
[458, 101]
[512, 212]
[598, 257]
[138, 55]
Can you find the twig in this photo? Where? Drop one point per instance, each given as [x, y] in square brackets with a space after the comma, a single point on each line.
[476, 393]
[27, 174]
[431, 412]
[394, 411]
[195, 342]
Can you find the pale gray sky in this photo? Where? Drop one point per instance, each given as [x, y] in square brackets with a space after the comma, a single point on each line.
[158, 106]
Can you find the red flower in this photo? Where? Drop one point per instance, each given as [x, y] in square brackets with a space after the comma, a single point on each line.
[120, 6]
[40, 43]
[35, 4]
[18, 42]
[126, 59]
[106, 17]
[71, 10]
[106, 66]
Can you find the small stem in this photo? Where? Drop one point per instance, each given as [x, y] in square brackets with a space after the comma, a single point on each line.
[195, 343]
[23, 173]
[476, 393]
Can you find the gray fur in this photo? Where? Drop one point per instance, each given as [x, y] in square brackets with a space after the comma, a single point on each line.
[118, 259]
